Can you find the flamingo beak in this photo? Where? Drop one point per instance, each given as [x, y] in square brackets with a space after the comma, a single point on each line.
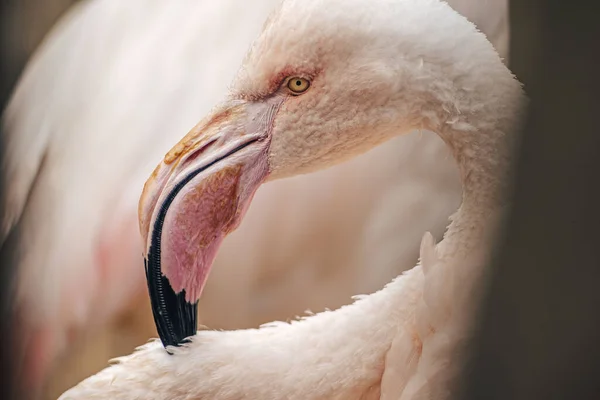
[196, 196]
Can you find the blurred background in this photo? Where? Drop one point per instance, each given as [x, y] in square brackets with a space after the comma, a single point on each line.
[94, 93]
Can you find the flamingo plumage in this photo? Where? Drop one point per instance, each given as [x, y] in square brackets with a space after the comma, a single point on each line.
[75, 169]
[369, 71]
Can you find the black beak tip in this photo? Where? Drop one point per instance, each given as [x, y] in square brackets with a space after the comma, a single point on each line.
[175, 318]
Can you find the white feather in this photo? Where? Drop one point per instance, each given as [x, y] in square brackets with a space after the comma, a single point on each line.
[406, 340]
[111, 88]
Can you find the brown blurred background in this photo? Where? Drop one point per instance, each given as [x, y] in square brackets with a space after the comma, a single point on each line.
[539, 328]
[24, 23]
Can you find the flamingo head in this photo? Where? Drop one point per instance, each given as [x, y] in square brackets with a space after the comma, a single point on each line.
[325, 81]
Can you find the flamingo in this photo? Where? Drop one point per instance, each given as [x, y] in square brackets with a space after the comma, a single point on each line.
[326, 80]
[74, 200]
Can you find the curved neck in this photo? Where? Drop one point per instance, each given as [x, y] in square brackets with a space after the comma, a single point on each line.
[481, 137]
[483, 169]
[457, 86]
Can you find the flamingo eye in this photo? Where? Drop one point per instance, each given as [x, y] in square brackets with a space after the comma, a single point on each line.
[298, 85]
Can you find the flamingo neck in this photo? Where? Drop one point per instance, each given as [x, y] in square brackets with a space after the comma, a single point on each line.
[483, 171]
[481, 138]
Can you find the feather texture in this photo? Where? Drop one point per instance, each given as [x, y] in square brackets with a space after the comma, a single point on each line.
[406, 340]
[112, 86]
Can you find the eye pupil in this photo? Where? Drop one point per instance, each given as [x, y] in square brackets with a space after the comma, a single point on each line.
[298, 83]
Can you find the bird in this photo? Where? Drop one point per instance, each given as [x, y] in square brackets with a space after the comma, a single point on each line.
[302, 102]
[75, 168]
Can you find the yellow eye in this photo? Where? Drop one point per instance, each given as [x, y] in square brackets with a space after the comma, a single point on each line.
[298, 85]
